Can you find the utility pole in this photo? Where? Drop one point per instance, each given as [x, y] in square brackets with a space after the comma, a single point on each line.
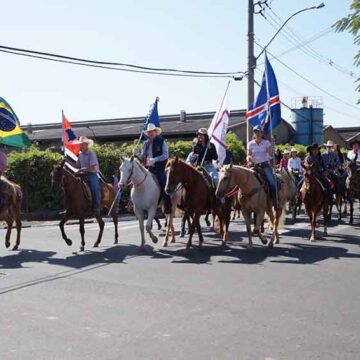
[251, 60]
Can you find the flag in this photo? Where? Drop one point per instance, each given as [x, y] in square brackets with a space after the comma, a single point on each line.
[71, 150]
[153, 116]
[218, 128]
[10, 132]
[266, 110]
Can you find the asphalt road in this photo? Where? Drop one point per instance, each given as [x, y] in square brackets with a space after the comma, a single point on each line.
[297, 301]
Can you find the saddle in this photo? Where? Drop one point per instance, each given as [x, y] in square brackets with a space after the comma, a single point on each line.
[260, 175]
[104, 191]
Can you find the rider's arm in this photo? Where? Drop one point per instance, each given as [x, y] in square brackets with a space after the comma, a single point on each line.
[165, 153]
[249, 153]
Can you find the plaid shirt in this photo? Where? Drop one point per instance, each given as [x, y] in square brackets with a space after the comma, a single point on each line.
[331, 161]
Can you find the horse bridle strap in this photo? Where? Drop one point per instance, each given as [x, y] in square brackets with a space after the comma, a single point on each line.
[232, 192]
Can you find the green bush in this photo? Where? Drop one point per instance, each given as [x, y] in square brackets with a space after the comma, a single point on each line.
[236, 147]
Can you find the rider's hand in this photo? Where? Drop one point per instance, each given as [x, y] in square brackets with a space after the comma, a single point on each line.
[151, 162]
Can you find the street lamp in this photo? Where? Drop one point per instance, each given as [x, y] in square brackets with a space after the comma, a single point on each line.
[315, 7]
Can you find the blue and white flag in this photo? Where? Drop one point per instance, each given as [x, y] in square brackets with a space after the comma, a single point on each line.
[153, 116]
[266, 110]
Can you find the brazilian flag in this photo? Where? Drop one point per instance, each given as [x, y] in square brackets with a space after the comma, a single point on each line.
[10, 131]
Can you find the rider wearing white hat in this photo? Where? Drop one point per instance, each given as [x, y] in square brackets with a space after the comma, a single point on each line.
[88, 164]
[294, 163]
[154, 154]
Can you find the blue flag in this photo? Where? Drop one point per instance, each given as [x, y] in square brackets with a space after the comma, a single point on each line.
[266, 110]
[153, 116]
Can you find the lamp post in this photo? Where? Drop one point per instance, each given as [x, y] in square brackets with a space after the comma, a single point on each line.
[252, 59]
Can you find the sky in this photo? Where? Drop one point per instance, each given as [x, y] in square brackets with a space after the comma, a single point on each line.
[205, 35]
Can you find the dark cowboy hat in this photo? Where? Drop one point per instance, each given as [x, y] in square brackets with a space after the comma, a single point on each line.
[313, 146]
[354, 142]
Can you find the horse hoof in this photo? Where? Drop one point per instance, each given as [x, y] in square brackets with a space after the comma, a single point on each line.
[271, 245]
[326, 233]
[154, 239]
[68, 242]
[15, 247]
[182, 235]
[7, 244]
[96, 245]
[116, 241]
[82, 248]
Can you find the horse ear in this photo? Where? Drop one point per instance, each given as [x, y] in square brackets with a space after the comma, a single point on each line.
[231, 164]
[176, 159]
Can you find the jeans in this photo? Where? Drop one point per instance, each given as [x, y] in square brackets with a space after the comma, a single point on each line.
[210, 168]
[270, 177]
[161, 177]
[93, 180]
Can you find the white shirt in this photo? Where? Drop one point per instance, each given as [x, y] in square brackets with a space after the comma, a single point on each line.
[295, 164]
[259, 152]
[351, 156]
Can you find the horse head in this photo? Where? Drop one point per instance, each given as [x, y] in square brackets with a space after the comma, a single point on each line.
[173, 177]
[57, 175]
[126, 171]
[224, 180]
[308, 170]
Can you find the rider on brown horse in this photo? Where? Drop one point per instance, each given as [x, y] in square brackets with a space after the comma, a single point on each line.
[3, 165]
[88, 166]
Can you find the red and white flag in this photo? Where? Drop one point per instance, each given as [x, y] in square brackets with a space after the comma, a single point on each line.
[71, 150]
[218, 128]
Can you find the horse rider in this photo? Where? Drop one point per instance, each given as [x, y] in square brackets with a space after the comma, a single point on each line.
[354, 153]
[314, 158]
[190, 158]
[205, 153]
[260, 153]
[88, 165]
[332, 163]
[3, 165]
[154, 154]
[285, 160]
[294, 163]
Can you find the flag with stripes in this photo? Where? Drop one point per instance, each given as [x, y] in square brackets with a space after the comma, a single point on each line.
[71, 150]
[218, 128]
[266, 110]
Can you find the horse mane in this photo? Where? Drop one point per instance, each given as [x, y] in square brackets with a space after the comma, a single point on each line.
[190, 168]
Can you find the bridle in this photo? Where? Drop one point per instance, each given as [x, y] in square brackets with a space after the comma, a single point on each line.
[132, 173]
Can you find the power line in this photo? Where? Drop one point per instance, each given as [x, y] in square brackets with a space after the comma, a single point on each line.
[107, 63]
[309, 81]
[117, 68]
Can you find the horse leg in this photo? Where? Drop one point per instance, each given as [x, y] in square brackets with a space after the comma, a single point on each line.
[151, 215]
[312, 215]
[351, 205]
[61, 225]
[198, 227]
[247, 218]
[140, 216]
[18, 231]
[9, 222]
[259, 224]
[115, 220]
[169, 229]
[183, 221]
[192, 230]
[158, 222]
[101, 226]
[326, 217]
[82, 233]
[207, 218]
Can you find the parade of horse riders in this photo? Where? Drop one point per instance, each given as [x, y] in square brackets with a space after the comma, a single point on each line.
[180, 232]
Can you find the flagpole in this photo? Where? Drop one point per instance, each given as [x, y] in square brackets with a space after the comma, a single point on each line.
[62, 125]
[270, 121]
[221, 105]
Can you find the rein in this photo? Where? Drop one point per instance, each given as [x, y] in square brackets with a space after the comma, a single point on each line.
[142, 181]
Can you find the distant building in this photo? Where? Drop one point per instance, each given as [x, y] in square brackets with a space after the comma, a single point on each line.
[342, 135]
[116, 131]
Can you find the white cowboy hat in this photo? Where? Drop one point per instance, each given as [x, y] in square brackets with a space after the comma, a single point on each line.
[329, 143]
[152, 127]
[286, 152]
[202, 131]
[294, 150]
[82, 140]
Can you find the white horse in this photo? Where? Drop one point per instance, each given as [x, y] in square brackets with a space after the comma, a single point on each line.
[144, 194]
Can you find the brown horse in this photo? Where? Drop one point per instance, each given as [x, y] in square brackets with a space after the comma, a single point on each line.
[198, 198]
[11, 210]
[77, 203]
[315, 199]
[352, 187]
[252, 199]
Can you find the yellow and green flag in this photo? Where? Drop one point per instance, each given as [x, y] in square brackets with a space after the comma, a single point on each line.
[10, 132]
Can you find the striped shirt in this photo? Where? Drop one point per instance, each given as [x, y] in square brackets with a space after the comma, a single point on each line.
[259, 152]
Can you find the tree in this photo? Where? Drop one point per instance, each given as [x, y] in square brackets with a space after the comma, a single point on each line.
[351, 23]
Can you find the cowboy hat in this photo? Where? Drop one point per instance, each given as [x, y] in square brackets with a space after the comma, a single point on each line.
[286, 152]
[152, 127]
[313, 146]
[294, 150]
[202, 131]
[329, 143]
[258, 128]
[83, 140]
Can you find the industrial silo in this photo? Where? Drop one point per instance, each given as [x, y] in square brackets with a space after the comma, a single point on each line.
[308, 120]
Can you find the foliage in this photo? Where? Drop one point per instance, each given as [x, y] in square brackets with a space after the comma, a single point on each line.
[351, 23]
[236, 147]
[31, 170]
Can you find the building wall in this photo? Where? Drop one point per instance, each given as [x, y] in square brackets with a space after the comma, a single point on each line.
[331, 134]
